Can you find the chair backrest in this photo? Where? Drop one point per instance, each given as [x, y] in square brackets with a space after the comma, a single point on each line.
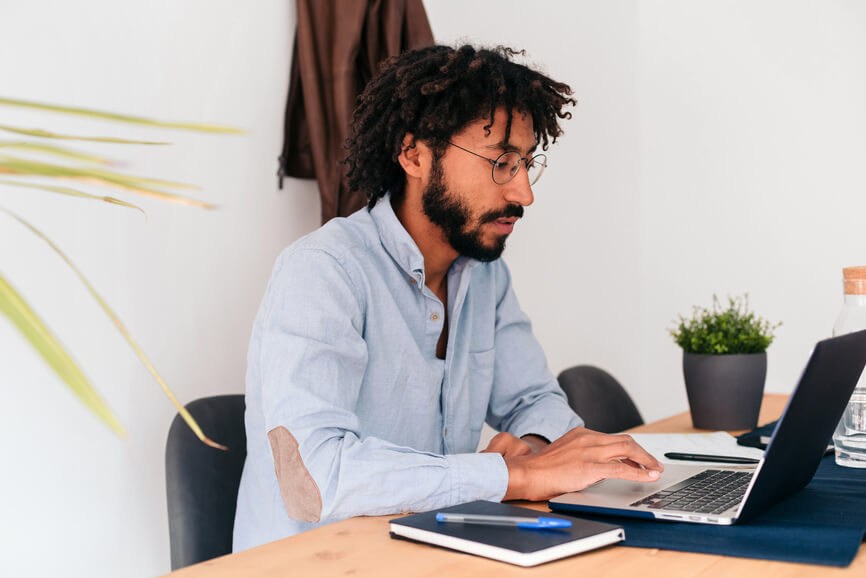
[599, 399]
[202, 482]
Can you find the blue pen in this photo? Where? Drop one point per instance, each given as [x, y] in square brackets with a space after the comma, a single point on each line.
[540, 523]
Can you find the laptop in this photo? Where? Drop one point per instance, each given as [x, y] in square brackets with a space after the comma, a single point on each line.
[727, 495]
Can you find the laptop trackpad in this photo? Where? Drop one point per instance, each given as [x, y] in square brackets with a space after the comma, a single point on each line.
[618, 493]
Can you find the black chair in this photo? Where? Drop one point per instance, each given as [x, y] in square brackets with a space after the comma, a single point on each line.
[599, 399]
[202, 482]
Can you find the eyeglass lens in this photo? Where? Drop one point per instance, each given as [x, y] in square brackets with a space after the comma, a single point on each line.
[507, 164]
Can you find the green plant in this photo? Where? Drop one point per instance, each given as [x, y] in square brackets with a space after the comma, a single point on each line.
[721, 331]
[53, 164]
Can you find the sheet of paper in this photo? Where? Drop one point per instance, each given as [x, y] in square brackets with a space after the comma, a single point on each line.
[717, 443]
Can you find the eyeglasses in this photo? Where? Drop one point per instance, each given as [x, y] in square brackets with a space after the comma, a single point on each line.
[507, 165]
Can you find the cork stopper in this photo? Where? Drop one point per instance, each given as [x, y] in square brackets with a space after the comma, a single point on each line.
[854, 280]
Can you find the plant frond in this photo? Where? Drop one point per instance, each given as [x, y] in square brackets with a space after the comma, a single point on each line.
[140, 185]
[56, 151]
[199, 127]
[71, 192]
[38, 132]
[190, 421]
[55, 355]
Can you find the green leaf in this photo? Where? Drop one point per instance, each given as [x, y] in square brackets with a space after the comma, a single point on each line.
[118, 324]
[200, 127]
[724, 331]
[140, 185]
[56, 151]
[12, 304]
[71, 192]
[55, 355]
[38, 132]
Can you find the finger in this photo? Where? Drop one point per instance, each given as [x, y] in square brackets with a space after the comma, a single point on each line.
[536, 443]
[493, 447]
[520, 448]
[500, 443]
[610, 439]
[588, 437]
[624, 471]
[626, 448]
[515, 447]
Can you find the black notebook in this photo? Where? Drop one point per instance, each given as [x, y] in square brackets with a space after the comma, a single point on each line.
[521, 546]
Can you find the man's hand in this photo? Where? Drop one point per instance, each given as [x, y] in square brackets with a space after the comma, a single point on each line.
[536, 442]
[509, 446]
[576, 460]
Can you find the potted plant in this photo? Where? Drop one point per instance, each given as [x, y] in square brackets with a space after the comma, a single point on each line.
[724, 363]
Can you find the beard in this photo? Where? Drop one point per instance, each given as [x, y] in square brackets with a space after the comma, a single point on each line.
[454, 217]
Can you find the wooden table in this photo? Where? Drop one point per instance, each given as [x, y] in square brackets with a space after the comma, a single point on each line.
[362, 547]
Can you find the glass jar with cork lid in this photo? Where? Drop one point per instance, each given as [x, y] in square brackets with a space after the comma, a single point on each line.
[850, 435]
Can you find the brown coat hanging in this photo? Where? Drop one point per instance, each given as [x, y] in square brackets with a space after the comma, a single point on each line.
[338, 47]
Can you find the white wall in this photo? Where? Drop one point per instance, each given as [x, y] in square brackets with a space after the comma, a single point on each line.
[752, 119]
[574, 255]
[78, 501]
[717, 147]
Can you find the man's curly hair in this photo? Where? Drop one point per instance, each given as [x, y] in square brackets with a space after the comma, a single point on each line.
[436, 92]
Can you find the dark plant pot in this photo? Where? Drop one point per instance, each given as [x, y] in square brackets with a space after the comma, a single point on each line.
[725, 391]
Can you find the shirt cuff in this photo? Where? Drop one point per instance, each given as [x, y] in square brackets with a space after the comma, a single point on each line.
[482, 476]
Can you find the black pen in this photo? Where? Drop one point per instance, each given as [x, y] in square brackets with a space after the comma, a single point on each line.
[709, 458]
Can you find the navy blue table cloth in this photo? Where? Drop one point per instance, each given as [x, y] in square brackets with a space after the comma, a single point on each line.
[824, 524]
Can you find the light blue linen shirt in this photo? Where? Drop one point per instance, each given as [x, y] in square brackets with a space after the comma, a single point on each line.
[343, 355]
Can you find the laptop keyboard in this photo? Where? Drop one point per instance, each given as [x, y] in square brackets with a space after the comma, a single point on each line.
[709, 492]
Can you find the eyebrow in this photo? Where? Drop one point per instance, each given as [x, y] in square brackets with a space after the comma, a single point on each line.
[508, 147]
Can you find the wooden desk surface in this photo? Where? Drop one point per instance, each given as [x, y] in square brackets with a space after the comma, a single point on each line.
[362, 547]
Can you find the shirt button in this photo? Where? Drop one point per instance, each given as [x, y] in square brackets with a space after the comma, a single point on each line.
[445, 432]
[434, 317]
[412, 281]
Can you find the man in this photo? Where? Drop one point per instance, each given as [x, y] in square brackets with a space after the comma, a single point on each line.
[385, 340]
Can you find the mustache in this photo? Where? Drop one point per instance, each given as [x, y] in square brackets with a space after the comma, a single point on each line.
[507, 212]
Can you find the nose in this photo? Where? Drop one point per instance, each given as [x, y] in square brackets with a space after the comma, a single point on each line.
[517, 190]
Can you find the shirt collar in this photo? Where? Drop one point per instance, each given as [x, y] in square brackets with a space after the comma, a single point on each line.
[396, 239]
[400, 245]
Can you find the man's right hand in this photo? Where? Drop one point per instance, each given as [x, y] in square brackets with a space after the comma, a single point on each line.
[576, 460]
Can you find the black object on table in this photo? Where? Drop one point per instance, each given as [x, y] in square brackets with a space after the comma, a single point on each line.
[759, 437]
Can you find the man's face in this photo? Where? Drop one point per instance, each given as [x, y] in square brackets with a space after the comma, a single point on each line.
[475, 214]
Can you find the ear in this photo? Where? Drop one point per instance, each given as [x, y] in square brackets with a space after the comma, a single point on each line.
[412, 157]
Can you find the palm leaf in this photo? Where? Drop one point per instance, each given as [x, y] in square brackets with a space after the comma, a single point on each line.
[56, 151]
[38, 132]
[190, 421]
[120, 178]
[100, 176]
[53, 170]
[55, 355]
[71, 192]
[10, 302]
[200, 127]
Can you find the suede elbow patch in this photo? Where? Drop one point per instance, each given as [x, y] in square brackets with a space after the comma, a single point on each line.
[299, 492]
